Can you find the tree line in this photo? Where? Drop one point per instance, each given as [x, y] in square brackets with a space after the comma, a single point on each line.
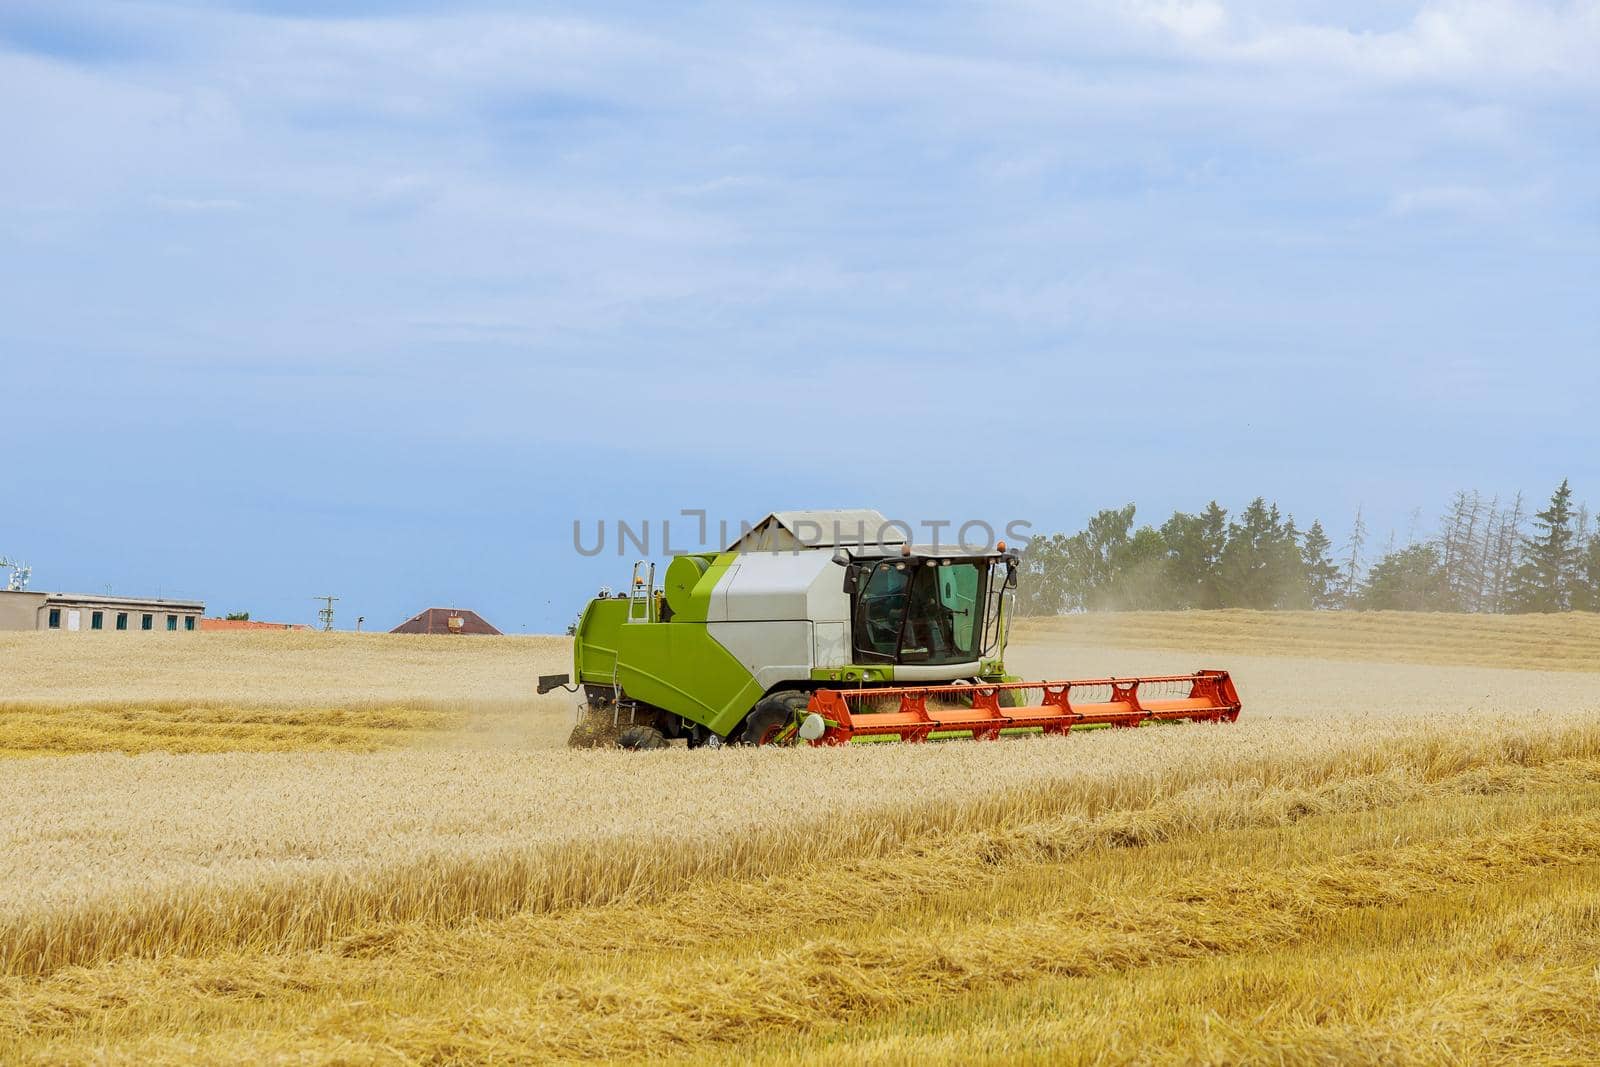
[1485, 556]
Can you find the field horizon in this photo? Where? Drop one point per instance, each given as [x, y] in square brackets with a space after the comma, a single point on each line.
[285, 691]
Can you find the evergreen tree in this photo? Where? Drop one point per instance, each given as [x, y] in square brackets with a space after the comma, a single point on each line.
[1321, 573]
[1291, 586]
[1194, 551]
[1260, 565]
[1408, 579]
[1544, 581]
[1586, 597]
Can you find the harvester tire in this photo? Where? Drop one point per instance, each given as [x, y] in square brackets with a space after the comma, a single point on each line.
[1008, 698]
[771, 715]
[642, 739]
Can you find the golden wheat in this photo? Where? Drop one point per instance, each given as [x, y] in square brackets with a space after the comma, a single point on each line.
[273, 669]
[289, 691]
[109, 855]
[1461, 927]
[1381, 862]
[1564, 642]
[267, 692]
[922, 951]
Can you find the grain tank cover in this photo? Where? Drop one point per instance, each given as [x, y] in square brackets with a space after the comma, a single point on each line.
[683, 574]
[785, 531]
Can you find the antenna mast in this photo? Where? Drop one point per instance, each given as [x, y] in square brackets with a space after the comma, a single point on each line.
[325, 613]
[20, 573]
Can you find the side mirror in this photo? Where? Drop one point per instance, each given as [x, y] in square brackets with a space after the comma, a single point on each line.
[813, 727]
[1011, 576]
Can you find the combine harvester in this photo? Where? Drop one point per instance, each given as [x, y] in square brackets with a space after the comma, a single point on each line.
[828, 626]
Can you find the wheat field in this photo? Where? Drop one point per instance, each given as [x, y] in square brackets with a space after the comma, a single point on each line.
[274, 691]
[1387, 859]
[292, 691]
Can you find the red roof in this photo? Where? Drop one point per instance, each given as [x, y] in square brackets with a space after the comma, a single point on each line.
[249, 624]
[446, 621]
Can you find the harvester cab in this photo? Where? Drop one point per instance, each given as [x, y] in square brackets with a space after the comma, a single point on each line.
[829, 626]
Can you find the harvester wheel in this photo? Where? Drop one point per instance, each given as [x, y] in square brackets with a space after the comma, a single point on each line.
[1008, 698]
[771, 721]
[642, 739]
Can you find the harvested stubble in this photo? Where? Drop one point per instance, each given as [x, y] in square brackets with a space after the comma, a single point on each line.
[273, 669]
[108, 856]
[1410, 914]
[28, 730]
[1457, 926]
[275, 691]
[290, 691]
[1558, 642]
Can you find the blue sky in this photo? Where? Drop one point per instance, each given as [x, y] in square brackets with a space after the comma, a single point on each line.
[376, 299]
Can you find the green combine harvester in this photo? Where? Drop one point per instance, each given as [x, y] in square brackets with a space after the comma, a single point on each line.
[827, 627]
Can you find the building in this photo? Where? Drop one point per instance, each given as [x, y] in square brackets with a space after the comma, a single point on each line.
[240, 625]
[446, 621]
[74, 612]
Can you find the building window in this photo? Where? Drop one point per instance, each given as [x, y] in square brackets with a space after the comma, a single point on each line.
[97, 620]
[188, 622]
[147, 621]
[55, 618]
[122, 620]
[172, 622]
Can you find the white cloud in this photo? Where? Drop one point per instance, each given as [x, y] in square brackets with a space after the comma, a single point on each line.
[1488, 43]
[1446, 199]
[1193, 19]
[1466, 201]
[181, 205]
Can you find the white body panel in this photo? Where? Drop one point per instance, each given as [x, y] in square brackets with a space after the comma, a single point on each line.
[769, 586]
[772, 651]
[831, 644]
[916, 672]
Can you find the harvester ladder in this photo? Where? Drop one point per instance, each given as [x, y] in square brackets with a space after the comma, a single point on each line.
[642, 593]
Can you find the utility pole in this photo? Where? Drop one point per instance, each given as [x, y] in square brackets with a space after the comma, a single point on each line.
[325, 613]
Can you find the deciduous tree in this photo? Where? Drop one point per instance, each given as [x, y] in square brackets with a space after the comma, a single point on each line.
[1408, 579]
